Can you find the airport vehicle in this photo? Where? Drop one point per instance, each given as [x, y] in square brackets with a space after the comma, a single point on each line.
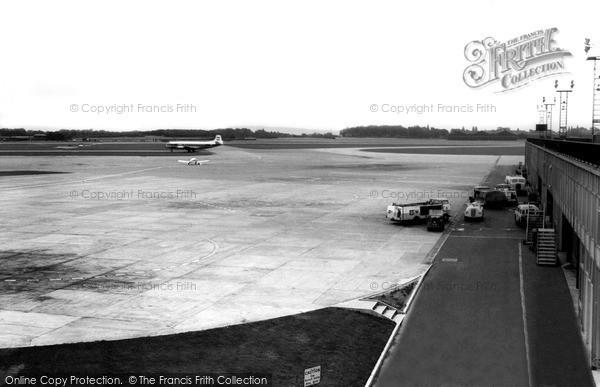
[495, 199]
[515, 182]
[436, 220]
[192, 146]
[70, 146]
[479, 193]
[193, 161]
[474, 211]
[415, 212]
[446, 207]
[511, 194]
[521, 170]
[522, 211]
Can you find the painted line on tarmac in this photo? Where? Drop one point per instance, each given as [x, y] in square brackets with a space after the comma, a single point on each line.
[121, 174]
[440, 147]
[522, 289]
[250, 154]
[485, 236]
[216, 248]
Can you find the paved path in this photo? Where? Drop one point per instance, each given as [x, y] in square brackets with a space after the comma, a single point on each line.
[468, 326]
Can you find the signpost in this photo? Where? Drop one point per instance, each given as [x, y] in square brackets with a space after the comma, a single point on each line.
[312, 376]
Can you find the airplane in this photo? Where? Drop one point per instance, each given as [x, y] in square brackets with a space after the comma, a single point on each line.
[192, 146]
[75, 146]
[193, 161]
[69, 146]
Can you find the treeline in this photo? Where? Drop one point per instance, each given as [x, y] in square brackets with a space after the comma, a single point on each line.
[394, 131]
[18, 132]
[69, 134]
[328, 135]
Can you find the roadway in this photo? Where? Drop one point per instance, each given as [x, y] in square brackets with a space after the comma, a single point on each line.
[487, 314]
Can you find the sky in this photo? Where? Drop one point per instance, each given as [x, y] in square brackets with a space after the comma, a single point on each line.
[315, 65]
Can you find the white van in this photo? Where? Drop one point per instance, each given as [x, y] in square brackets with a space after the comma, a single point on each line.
[515, 182]
[522, 211]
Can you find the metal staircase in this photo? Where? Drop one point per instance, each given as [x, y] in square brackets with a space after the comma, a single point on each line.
[546, 247]
[535, 220]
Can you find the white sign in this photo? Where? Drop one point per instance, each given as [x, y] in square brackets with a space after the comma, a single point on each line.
[312, 376]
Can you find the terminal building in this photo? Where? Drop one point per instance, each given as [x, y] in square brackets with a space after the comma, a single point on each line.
[566, 175]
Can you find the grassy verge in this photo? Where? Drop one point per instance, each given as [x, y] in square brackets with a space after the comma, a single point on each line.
[346, 343]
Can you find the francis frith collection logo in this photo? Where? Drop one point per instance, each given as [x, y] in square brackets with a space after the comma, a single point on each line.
[516, 62]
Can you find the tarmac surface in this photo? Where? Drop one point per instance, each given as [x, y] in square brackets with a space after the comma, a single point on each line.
[119, 247]
[487, 314]
[157, 148]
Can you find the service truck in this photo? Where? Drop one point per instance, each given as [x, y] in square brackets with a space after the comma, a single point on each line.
[515, 182]
[415, 212]
[479, 193]
[446, 207]
[511, 194]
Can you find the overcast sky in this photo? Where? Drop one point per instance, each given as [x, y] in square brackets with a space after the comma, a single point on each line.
[305, 64]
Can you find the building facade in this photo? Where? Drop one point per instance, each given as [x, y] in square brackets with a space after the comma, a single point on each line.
[567, 178]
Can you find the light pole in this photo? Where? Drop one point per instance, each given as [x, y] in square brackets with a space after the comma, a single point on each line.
[549, 114]
[595, 92]
[564, 102]
[541, 120]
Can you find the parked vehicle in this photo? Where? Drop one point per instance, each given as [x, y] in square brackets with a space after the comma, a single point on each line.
[515, 182]
[522, 211]
[479, 193]
[474, 212]
[511, 194]
[446, 207]
[415, 212]
[436, 220]
[495, 199]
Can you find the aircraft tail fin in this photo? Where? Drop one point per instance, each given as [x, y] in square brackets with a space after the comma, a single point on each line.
[218, 138]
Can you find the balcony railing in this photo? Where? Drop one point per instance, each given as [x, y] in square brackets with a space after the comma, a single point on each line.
[582, 151]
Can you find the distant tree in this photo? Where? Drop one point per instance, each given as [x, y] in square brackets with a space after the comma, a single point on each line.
[394, 131]
[55, 136]
[13, 132]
